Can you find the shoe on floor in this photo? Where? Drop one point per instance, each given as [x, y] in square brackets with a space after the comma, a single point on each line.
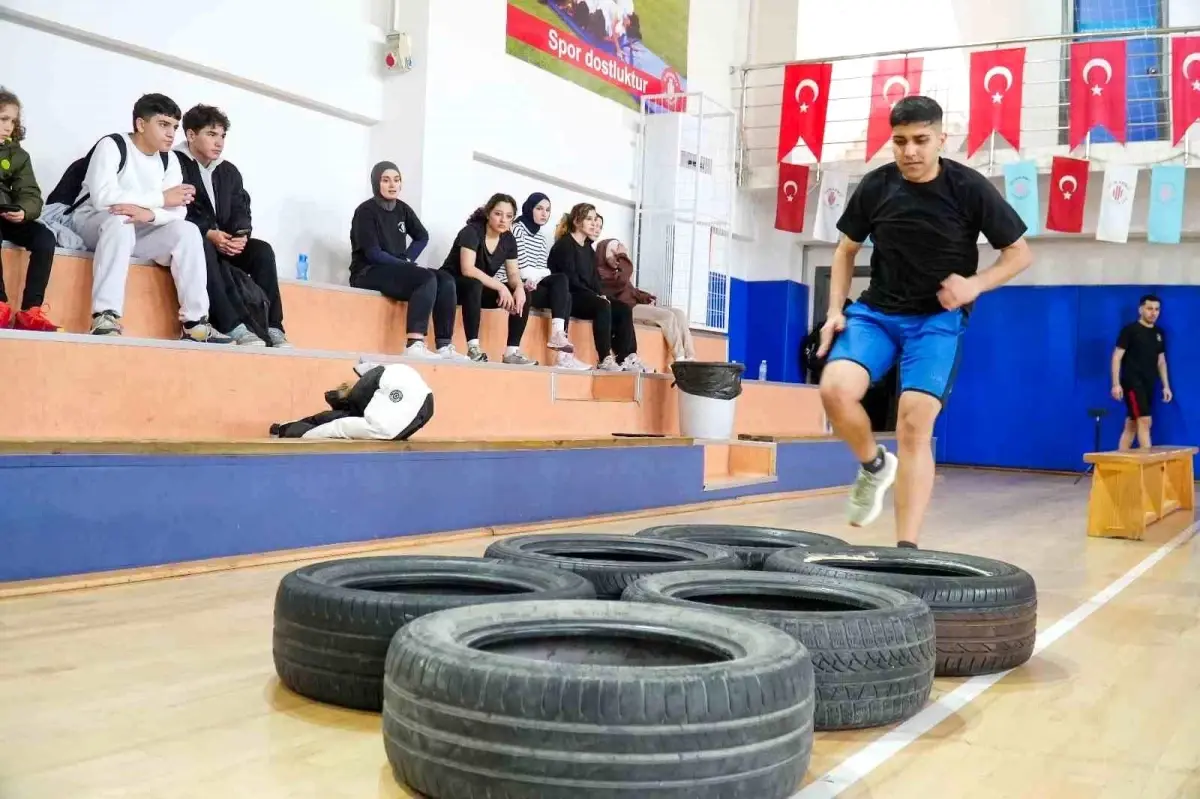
[278, 338]
[476, 353]
[245, 337]
[609, 364]
[868, 492]
[567, 360]
[419, 350]
[448, 353]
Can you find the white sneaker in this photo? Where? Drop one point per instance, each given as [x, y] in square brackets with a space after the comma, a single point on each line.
[419, 351]
[559, 341]
[868, 492]
[567, 360]
[448, 353]
[633, 363]
[609, 364]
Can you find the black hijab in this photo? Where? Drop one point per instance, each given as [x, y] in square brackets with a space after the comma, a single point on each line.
[377, 173]
[527, 211]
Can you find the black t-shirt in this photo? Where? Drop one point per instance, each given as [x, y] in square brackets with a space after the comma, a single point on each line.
[375, 226]
[925, 232]
[474, 237]
[1142, 345]
[576, 261]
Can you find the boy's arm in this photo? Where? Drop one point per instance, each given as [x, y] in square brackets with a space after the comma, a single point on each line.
[239, 210]
[171, 178]
[103, 185]
[28, 193]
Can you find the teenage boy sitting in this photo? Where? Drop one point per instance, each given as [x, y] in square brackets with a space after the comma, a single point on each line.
[222, 212]
[139, 211]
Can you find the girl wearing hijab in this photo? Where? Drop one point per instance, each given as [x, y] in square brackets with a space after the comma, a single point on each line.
[612, 322]
[383, 260]
[616, 276]
[544, 290]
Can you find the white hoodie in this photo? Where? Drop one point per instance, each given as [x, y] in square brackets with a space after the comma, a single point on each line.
[142, 182]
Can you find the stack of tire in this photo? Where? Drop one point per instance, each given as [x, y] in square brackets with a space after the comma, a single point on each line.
[686, 661]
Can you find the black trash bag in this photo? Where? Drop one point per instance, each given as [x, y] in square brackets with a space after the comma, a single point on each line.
[715, 380]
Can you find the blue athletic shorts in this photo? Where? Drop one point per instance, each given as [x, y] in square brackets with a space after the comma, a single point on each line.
[928, 347]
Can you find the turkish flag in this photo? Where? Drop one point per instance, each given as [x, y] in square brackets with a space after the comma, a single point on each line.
[1185, 85]
[805, 103]
[1097, 93]
[1068, 191]
[894, 79]
[790, 197]
[997, 87]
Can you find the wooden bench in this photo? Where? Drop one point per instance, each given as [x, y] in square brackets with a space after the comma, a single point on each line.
[1136, 488]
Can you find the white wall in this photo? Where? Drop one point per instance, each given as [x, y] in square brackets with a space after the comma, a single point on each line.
[305, 169]
[1181, 13]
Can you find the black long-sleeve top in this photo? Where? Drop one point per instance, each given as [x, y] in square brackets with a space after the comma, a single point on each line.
[576, 261]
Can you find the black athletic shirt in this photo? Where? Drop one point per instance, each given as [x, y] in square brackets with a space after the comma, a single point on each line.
[925, 232]
[1142, 345]
[474, 237]
[374, 227]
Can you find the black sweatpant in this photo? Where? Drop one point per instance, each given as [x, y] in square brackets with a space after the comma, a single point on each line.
[612, 324]
[258, 261]
[425, 290]
[39, 240]
[552, 293]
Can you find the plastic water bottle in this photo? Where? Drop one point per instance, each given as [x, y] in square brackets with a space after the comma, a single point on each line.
[302, 267]
[762, 371]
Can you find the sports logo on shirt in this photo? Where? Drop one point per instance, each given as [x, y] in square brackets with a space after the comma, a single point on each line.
[401, 227]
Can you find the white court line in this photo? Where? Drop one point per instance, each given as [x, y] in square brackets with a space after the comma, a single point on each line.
[856, 767]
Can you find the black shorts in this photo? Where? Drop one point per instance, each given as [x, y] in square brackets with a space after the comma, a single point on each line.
[1137, 401]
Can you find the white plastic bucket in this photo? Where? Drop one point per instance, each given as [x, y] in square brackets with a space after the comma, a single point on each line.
[705, 417]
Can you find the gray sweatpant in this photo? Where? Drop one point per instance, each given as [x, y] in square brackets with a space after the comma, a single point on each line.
[115, 241]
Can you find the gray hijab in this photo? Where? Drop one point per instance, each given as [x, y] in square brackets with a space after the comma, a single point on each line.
[377, 173]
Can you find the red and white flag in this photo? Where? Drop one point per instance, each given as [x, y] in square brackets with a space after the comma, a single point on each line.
[894, 79]
[1116, 203]
[1097, 90]
[805, 104]
[1185, 85]
[997, 89]
[831, 204]
[790, 197]
[1068, 192]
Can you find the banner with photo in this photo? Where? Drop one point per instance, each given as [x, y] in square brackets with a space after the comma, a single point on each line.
[620, 49]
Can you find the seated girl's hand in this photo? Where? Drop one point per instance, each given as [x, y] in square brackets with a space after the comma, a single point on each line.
[518, 301]
[505, 298]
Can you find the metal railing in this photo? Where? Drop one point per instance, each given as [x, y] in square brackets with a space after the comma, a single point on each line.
[946, 76]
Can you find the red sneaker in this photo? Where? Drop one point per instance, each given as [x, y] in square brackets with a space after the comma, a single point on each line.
[6, 314]
[35, 319]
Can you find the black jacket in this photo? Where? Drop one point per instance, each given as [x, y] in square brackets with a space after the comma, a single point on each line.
[232, 211]
[576, 261]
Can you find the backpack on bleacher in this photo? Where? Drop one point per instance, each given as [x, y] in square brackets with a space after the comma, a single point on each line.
[71, 183]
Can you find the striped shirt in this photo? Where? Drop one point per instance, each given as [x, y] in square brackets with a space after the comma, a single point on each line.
[532, 251]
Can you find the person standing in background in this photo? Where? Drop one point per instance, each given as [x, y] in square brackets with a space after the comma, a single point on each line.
[1138, 361]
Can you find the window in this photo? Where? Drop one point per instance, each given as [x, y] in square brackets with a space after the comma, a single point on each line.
[1147, 115]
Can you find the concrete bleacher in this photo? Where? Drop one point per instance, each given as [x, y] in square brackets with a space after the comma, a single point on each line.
[143, 450]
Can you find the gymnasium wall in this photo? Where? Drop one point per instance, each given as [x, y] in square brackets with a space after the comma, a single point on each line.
[307, 91]
[1037, 358]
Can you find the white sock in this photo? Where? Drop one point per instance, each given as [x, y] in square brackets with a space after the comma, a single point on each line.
[511, 350]
[473, 343]
[558, 325]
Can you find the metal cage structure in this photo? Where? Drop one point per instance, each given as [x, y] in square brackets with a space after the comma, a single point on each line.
[686, 186]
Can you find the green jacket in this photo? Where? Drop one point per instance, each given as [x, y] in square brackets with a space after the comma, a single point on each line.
[17, 182]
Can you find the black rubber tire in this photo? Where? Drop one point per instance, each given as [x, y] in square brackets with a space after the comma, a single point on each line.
[465, 716]
[752, 544]
[986, 610]
[612, 562]
[332, 630]
[873, 658]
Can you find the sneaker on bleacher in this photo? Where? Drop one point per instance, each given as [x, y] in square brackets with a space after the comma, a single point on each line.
[278, 337]
[633, 363]
[518, 358]
[245, 337]
[34, 319]
[107, 323]
[204, 332]
[448, 353]
[609, 364]
[567, 360]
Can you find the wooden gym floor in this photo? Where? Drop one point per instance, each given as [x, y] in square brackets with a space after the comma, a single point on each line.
[166, 688]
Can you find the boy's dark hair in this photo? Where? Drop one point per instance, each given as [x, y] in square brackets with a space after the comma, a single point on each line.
[152, 105]
[8, 98]
[916, 110]
[199, 117]
[479, 215]
[1149, 298]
